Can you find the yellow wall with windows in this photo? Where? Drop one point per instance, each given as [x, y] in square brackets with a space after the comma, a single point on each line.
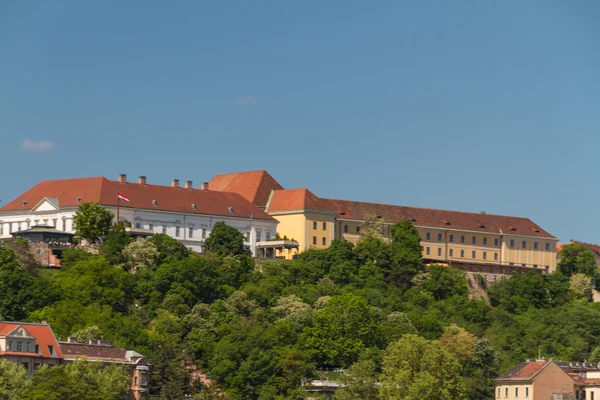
[320, 230]
[514, 391]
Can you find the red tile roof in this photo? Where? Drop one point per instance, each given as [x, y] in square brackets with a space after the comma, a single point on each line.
[524, 371]
[43, 334]
[94, 352]
[104, 191]
[254, 186]
[296, 199]
[299, 199]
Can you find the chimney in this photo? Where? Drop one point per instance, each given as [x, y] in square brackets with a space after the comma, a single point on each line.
[142, 180]
[205, 186]
[122, 178]
[189, 185]
[72, 339]
[175, 183]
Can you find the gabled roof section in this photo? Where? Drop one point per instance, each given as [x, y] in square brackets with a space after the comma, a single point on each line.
[296, 199]
[44, 337]
[94, 352]
[254, 186]
[72, 192]
[524, 371]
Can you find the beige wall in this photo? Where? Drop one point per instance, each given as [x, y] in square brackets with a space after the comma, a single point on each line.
[514, 391]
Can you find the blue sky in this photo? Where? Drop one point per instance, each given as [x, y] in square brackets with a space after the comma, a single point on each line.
[466, 105]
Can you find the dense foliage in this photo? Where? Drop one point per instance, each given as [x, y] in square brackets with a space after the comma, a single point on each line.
[259, 331]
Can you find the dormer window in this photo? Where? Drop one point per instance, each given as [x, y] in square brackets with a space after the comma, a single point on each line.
[78, 200]
[194, 206]
[51, 350]
[155, 203]
[25, 202]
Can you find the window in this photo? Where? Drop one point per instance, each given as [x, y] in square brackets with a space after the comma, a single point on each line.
[495, 256]
[135, 380]
[577, 394]
[247, 236]
[10, 227]
[439, 251]
[440, 237]
[506, 392]
[462, 253]
[191, 231]
[428, 236]
[37, 348]
[451, 238]
[259, 236]
[314, 240]
[427, 250]
[315, 225]
[150, 226]
[137, 225]
[462, 238]
[358, 229]
[496, 242]
[1, 229]
[474, 240]
[203, 233]
[28, 347]
[54, 222]
[26, 366]
[267, 235]
[527, 393]
[346, 228]
[51, 350]
[144, 379]
[485, 241]
[324, 241]
[10, 345]
[512, 243]
[474, 254]
[534, 265]
[484, 255]
[324, 226]
[164, 229]
[498, 393]
[524, 244]
[516, 392]
[523, 265]
[177, 231]
[535, 245]
[451, 252]
[547, 246]
[19, 346]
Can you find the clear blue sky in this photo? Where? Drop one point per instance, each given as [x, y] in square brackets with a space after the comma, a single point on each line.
[466, 105]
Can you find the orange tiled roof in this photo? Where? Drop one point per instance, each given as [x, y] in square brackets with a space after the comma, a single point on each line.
[254, 186]
[43, 334]
[524, 371]
[300, 199]
[296, 199]
[104, 191]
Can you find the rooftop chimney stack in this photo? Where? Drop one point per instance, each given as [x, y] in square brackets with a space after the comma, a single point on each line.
[189, 185]
[175, 183]
[142, 180]
[122, 178]
[205, 187]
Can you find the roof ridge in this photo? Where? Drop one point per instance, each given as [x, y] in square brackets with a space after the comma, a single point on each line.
[428, 208]
[24, 323]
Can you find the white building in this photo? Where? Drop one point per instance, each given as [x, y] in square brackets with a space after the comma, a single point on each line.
[182, 212]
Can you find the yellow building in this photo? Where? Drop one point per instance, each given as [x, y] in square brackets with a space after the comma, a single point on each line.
[447, 236]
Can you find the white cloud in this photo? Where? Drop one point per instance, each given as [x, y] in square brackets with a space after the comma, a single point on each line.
[245, 101]
[36, 146]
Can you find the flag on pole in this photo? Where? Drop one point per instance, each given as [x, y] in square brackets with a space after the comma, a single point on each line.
[120, 196]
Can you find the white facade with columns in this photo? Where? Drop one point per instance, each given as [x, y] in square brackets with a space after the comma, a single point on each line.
[191, 229]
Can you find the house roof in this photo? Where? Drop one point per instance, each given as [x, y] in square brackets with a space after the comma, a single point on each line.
[524, 371]
[43, 334]
[301, 199]
[72, 192]
[296, 199]
[254, 186]
[94, 352]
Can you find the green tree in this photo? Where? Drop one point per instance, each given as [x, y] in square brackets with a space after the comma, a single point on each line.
[141, 254]
[407, 255]
[92, 221]
[358, 382]
[86, 334]
[225, 240]
[168, 248]
[581, 285]
[372, 225]
[116, 241]
[415, 368]
[341, 330]
[459, 341]
[576, 258]
[13, 381]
